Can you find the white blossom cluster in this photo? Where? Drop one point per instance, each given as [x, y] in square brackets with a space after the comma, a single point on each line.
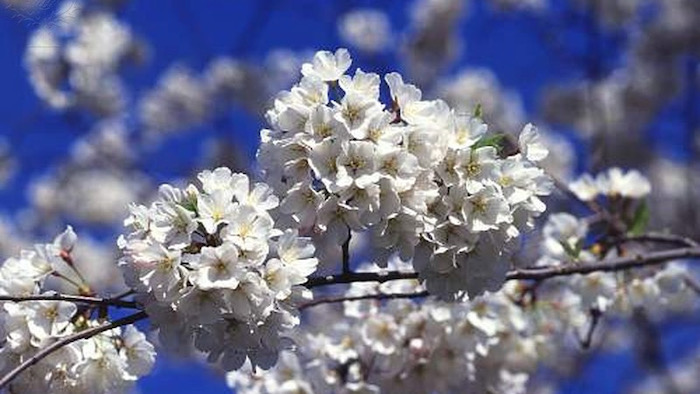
[422, 178]
[75, 62]
[566, 240]
[503, 110]
[210, 268]
[106, 363]
[492, 343]
[404, 346]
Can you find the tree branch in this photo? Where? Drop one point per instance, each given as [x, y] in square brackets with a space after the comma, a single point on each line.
[566, 269]
[375, 296]
[89, 333]
[72, 298]
[353, 277]
[610, 265]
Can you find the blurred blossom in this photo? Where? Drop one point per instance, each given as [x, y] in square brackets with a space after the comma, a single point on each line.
[613, 12]
[88, 195]
[432, 42]
[179, 101]
[508, 5]
[107, 144]
[367, 30]
[8, 163]
[470, 88]
[11, 242]
[76, 63]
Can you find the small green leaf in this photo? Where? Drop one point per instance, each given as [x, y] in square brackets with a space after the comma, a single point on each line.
[495, 140]
[640, 220]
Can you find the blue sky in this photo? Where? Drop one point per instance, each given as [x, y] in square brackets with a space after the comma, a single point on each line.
[193, 32]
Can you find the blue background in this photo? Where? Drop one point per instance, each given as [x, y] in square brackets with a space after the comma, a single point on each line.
[193, 32]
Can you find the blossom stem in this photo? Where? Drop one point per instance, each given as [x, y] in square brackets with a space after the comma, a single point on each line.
[73, 298]
[346, 254]
[89, 333]
[376, 296]
[595, 315]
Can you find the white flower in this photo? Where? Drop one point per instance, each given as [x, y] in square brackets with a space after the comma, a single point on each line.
[531, 145]
[631, 184]
[66, 240]
[328, 66]
[486, 210]
[218, 267]
[46, 319]
[138, 352]
[215, 208]
[585, 188]
[563, 233]
[357, 165]
[159, 269]
[381, 334]
[297, 255]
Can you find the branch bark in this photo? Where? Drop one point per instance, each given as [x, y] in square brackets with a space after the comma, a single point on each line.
[89, 333]
[610, 265]
[566, 269]
[375, 296]
[117, 303]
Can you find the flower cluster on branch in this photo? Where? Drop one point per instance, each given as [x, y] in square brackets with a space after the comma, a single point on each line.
[426, 182]
[211, 268]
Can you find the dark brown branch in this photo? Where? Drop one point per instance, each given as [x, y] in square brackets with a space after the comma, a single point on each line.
[89, 333]
[353, 277]
[73, 298]
[610, 265]
[566, 269]
[375, 296]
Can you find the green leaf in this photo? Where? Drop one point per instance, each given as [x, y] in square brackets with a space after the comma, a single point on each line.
[495, 140]
[640, 220]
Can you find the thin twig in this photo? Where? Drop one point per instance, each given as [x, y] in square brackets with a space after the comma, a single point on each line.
[661, 238]
[353, 277]
[123, 294]
[72, 298]
[375, 296]
[692, 283]
[346, 254]
[89, 333]
[595, 314]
